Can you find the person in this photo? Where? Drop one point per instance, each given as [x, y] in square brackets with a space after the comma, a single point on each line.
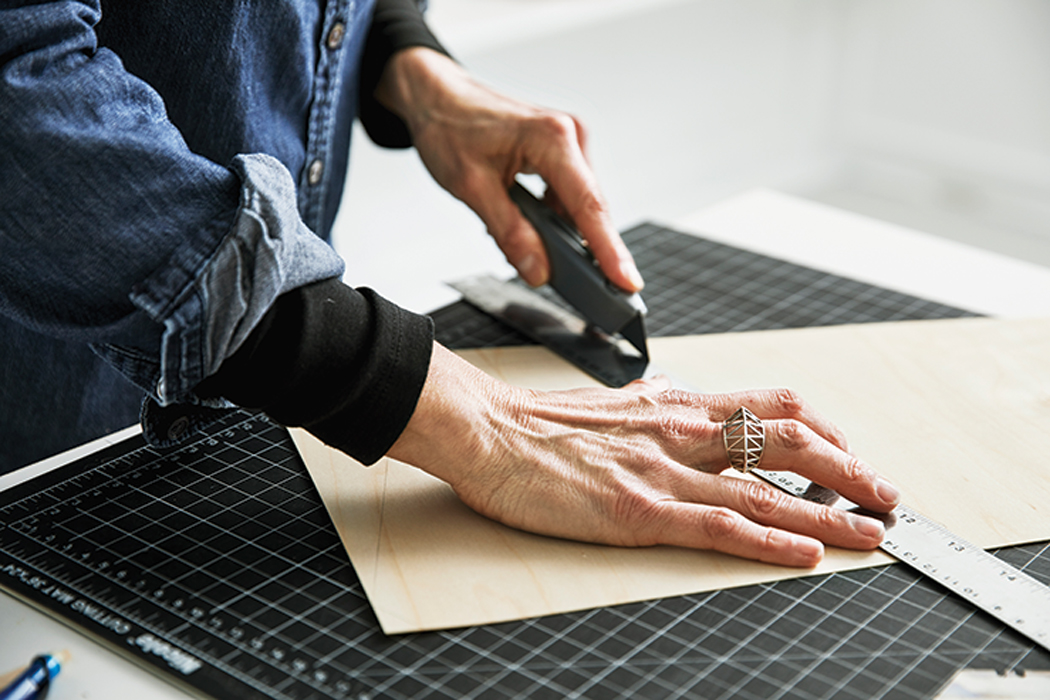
[171, 172]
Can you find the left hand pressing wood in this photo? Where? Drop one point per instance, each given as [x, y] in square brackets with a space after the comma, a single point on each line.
[638, 466]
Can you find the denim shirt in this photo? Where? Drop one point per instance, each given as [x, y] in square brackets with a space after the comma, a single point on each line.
[166, 171]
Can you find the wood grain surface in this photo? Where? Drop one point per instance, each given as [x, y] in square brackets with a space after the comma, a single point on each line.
[956, 413]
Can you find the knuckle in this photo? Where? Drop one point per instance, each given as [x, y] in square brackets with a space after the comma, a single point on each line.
[770, 542]
[762, 501]
[788, 401]
[557, 125]
[793, 435]
[721, 523]
[592, 206]
[677, 398]
[855, 470]
[682, 433]
[827, 519]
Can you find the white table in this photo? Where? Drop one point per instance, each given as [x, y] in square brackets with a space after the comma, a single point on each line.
[763, 221]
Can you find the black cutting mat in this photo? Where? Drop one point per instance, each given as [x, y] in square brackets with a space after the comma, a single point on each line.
[222, 548]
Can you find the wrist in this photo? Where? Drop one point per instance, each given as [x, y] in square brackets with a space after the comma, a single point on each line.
[413, 83]
[459, 419]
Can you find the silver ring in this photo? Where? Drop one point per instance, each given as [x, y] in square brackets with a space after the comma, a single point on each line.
[744, 438]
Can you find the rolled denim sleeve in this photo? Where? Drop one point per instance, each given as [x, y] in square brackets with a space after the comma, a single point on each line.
[112, 232]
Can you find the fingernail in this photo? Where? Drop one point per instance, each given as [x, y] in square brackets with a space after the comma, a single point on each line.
[868, 527]
[808, 549]
[887, 492]
[631, 272]
[531, 270]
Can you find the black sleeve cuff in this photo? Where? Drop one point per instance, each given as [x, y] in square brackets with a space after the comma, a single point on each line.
[347, 365]
[396, 25]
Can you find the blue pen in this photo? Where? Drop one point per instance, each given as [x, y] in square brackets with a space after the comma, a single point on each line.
[35, 681]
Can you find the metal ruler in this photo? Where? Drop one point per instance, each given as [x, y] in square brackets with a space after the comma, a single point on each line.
[1001, 590]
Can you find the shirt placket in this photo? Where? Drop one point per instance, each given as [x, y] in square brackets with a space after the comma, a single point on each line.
[314, 180]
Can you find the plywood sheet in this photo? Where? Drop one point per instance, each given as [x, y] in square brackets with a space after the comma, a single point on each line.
[956, 413]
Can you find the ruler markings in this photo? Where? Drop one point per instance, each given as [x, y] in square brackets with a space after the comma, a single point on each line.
[151, 621]
[967, 570]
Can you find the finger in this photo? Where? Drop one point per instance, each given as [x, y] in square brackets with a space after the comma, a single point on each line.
[550, 197]
[769, 506]
[725, 530]
[777, 403]
[515, 236]
[566, 171]
[792, 445]
[581, 137]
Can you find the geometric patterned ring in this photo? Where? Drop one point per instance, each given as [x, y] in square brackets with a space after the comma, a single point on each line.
[744, 438]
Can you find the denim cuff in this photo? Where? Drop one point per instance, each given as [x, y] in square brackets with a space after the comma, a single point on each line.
[207, 302]
[170, 425]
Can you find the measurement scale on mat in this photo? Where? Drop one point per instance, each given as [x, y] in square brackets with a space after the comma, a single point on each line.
[166, 556]
[1003, 591]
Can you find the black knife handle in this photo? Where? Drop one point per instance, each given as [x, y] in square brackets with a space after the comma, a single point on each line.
[575, 274]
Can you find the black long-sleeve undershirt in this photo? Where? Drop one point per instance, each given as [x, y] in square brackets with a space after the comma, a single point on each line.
[345, 364]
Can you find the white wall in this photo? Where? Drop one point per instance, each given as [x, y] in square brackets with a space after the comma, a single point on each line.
[943, 119]
[930, 113]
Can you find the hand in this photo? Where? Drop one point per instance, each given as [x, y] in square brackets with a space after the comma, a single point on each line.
[638, 466]
[474, 140]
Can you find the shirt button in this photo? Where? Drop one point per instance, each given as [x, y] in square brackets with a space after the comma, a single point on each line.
[313, 175]
[335, 36]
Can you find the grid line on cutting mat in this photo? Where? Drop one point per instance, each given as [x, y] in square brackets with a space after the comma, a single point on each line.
[695, 285]
[226, 550]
